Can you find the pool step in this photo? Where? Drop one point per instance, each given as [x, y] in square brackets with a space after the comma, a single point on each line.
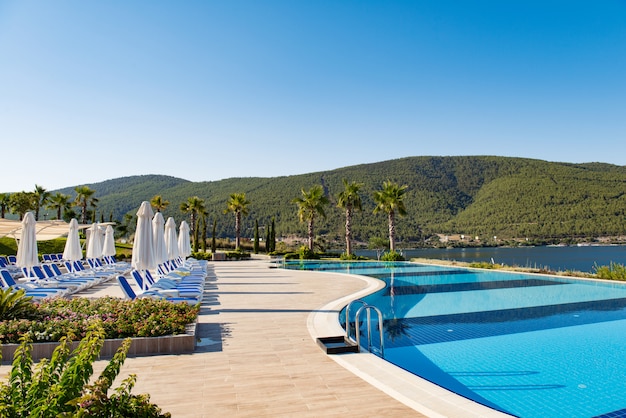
[337, 345]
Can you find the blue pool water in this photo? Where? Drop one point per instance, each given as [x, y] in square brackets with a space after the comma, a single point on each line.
[528, 345]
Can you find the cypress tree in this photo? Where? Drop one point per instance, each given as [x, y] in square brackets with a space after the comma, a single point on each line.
[213, 242]
[273, 236]
[268, 235]
[256, 236]
[203, 226]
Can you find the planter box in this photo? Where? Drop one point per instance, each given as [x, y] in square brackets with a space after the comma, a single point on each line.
[218, 256]
[140, 346]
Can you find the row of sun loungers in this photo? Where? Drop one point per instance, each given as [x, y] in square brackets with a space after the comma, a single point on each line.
[48, 280]
[176, 282]
[8, 263]
[52, 258]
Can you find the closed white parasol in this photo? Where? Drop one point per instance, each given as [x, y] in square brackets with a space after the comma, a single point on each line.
[184, 245]
[73, 251]
[27, 246]
[158, 237]
[108, 249]
[143, 249]
[171, 240]
[94, 244]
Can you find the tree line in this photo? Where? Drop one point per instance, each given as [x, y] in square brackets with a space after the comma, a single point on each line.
[311, 205]
[60, 204]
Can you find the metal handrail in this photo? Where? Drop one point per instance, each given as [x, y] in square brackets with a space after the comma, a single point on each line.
[368, 309]
[357, 327]
[348, 317]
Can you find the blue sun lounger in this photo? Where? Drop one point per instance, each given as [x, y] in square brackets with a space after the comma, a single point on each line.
[130, 293]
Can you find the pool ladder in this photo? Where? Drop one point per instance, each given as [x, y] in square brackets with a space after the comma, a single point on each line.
[357, 327]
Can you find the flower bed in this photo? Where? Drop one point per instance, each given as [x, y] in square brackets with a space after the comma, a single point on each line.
[156, 326]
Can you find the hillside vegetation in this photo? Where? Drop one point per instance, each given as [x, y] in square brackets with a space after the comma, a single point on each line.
[477, 196]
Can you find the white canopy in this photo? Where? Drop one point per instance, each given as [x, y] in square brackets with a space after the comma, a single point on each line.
[44, 230]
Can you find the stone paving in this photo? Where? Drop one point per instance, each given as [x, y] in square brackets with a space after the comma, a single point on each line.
[256, 357]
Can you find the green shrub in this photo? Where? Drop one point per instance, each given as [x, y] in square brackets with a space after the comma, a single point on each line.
[306, 254]
[237, 255]
[614, 271]
[392, 256]
[484, 265]
[15, 304]
[200, 255]
[351, 257]
[60, 387]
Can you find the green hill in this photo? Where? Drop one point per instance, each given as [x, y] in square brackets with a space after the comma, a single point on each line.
[477, 196]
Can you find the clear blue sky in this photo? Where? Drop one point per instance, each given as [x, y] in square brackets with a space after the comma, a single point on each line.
[206, 90]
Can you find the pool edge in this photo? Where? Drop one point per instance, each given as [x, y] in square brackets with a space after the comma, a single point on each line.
[416, 393]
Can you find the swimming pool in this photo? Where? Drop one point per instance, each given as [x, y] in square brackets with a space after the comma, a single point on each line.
[528, 345]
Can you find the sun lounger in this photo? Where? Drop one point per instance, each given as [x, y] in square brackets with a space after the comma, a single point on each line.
[37, 276]
[53, 272]
[169, 286]
[130, 293]
[4, 263]
[97, 265]
[32, 289]
[79, 269]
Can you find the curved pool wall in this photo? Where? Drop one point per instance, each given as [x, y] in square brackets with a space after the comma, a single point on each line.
[528, 345]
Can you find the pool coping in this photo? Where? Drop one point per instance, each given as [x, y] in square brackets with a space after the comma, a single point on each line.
[415, 392]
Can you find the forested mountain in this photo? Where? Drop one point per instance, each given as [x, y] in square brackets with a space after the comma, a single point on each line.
[477, 196]
[122, 195]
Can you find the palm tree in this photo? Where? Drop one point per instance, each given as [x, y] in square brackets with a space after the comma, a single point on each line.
[237, 203]
[349, 200]
[158, 203]
[42, 196]
[193, 206]
[390, 200]
[84, 198]
[310, 205]
[5, 201]
[60, 203]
